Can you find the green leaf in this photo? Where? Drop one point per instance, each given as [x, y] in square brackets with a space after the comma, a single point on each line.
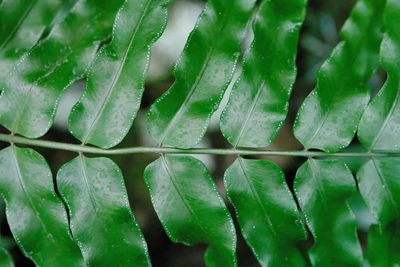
[258, 103]
[12, 11]
[5, 258]
[384, 246]
[267, 212]
[180, 117]
[379, 127]
[23, 23]
[328, 118]
[379, 130]
[32, 90]
[190, 208]
[379, 185]
[102, 222]
[109, 104]
[35, 214]
[322, 189]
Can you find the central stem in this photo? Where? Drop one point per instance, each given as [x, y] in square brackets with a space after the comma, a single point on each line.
[171, 150]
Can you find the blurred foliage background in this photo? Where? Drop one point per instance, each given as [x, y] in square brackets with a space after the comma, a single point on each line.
[319, 35]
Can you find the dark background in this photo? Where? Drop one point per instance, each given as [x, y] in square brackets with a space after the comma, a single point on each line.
[319, 36]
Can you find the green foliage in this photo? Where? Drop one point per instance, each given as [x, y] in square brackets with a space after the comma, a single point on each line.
[83, 217]
[94, 192]
[191, 210]
[109, 104]
[35, 213]
[329, 116]
[23, 23]
[180, 117]
[258, 103]
[322, 185]
[34, 85]
[5, 259]
[267, 213]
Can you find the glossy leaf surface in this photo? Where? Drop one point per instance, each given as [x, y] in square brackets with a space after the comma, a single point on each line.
[379, 184]
[25, 22]
[383, 246]
[5, 259]
[12, 15]
[322, 189]
[35, 214]
[180, 116]
[380, 124]
[258, 102]
[190, 208]
[328, 118]
[29, 21]
[379, 130]
[112, 97]
[32, 91]
[267, 212]
[101, 220]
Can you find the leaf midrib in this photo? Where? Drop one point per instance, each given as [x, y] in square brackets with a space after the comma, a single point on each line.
[325, 114]
[386, 188]
[249, 114]
[86, 183]
[195, 84]
[27, 95]
[18, 24]
[386, 121]
[181, 196]
[28, 197]
[187, 99]
[257, 198]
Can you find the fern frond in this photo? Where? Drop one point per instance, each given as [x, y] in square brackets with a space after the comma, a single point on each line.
[83, 217]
